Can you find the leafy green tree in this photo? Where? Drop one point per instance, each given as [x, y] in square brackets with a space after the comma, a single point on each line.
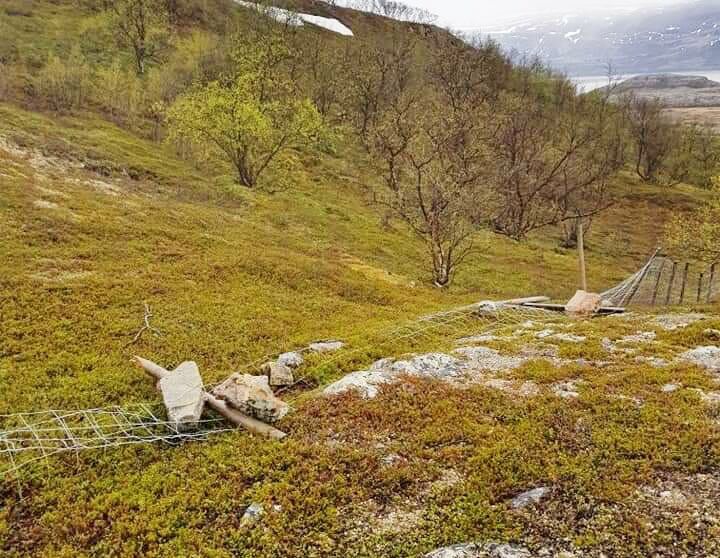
[239, 122]
[697, 235]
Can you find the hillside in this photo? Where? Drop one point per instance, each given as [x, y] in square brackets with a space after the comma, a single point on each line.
[676, 37]
[98, 219]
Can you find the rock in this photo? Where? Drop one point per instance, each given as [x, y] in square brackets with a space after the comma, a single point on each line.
[487, 338]
[252, 395]
[482, 358]
[252, 513]
[655, 362]
[566, 390]
[671, 322]
[367, 382]
[545, 333]
[639, 337]
[458, 551]
[583, 304]
[326, 346]
[507, 551]
[673, 499]
[712, 333]
[291, 360]
[529, 498]
[183, 395]
[487, 550]
[279, 374]
[569, 338]
[705, 357]
[669, 388]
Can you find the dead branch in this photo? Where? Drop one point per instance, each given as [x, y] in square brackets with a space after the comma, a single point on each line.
[146, 327]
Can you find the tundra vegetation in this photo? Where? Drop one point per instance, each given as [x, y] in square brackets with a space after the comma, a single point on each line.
[262, 186]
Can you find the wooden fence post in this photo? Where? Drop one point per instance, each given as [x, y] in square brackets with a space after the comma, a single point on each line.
[581, 254]
[657, 282]
[684, 282]
[672, 283]
[712, 280]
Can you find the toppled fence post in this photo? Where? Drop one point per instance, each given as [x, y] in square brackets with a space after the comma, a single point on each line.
[253, 425]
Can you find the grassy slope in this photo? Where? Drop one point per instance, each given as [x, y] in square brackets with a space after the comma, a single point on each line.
[232, 276]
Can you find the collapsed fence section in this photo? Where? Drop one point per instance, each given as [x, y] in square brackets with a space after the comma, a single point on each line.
[668, 282]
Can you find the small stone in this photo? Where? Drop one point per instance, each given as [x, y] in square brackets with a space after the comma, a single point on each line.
[569, 338]
[457, 551]
[671, 322]
[252, 514]
[705, 357]
[252, 395]
[182, 391]
[712, 333]
[669, 388]
[545, 333]
[583, 304]
[673, 499]
[566, 390]
[507, 551]
[280, 374]
[291, 360]
[529, 498]
[326, 346]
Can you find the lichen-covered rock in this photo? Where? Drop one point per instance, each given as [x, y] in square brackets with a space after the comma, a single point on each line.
[367, 382]
[252, 395]
[705, 357]
[486, 550]
[530, 497]
[280, 374]
[483, 358]
[291, 360]
[183, 395]
[326, 346]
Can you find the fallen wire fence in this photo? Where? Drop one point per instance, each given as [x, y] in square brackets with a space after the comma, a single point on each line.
[663, 281]
[32, 437]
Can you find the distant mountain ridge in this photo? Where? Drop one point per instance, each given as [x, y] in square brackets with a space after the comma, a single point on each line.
[672, 38]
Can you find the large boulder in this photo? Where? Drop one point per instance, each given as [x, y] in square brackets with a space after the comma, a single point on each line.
[583, 304]
[252, 395]
[183, 395]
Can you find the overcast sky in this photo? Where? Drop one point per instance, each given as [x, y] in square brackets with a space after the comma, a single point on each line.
[479, 14]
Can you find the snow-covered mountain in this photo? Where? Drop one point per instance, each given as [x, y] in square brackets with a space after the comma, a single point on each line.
[672, 38]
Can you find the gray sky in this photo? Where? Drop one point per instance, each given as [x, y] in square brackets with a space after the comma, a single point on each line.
[464, 14]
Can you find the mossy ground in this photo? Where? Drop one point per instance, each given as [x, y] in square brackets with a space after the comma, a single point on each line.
[232, 276]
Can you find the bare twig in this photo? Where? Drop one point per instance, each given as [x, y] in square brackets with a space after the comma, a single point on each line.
[146, 327]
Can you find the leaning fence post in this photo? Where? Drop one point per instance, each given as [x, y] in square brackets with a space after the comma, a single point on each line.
[712, 280]
[657, 282]
[684, 282]
[672, 283]
[643, 274]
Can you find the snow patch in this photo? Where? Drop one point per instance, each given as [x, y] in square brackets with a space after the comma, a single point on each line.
[298, 19]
